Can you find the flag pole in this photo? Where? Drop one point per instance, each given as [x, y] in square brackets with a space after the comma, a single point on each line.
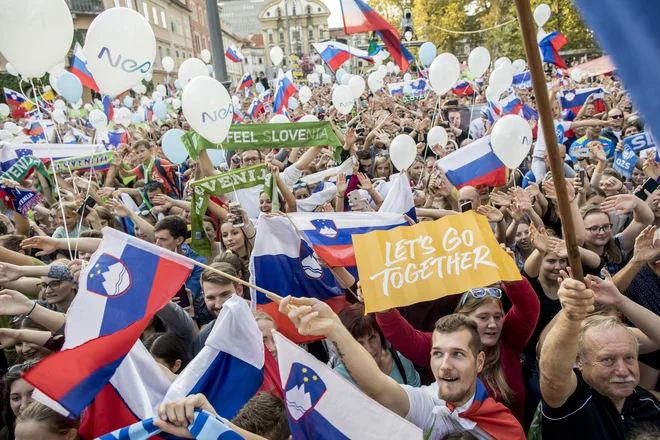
[270, 295]
[526, 21]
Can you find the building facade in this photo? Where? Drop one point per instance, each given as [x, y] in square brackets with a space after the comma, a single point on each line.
[294, 25]
[199, 27]
[255, 55]
[242, 15]
[229, 39]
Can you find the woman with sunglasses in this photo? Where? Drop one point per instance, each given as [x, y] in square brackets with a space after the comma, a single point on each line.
[503, 336]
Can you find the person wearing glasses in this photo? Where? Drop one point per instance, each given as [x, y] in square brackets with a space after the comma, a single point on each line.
[614, 132]
[503, 336]
[615, 250]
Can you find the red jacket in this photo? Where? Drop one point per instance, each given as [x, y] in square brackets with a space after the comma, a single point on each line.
[517, 327]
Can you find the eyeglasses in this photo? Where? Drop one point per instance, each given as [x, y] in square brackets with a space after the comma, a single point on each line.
[616, 116]
[481, 292]
[250, 160]
[54, 285]
[597, 229]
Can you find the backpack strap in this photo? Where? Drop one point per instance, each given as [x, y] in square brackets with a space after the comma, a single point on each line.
[162, 172]
[399, 365]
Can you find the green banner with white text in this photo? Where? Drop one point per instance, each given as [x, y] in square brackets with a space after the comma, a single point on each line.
[263, 136]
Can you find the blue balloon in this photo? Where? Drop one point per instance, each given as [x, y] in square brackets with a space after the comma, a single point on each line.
[177, 84]
[427, 53]
[70, 87]
[407, 90]
[173, 146]
[160, 110]
[217, 157]
[128, 102]
[210, 67]
[339, 74]
[136, 118]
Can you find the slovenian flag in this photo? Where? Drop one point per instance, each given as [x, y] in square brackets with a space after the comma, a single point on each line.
[285, 90]
[256, 107]
[238, 116]
[323, 405]
[475, 164]
[233, 54]
[282, 262]
[14, 99]
[463, 88]
[494, 112]
[335, 54]
[522, 81]
[125, 284]
[550, 45]
[108, 108]
[511, 105]
[359, 17]
[266, 96]
[79, 68]
[574, 99]
[246, 81]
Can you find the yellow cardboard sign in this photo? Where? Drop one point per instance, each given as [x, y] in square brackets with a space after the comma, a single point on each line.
[411, 264]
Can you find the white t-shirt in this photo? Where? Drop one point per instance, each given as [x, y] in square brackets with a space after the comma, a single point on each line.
[560, 128]
[429, 412]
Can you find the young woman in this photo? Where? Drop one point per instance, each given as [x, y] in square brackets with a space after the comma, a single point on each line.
[167, 350]
[416, 173]
[69, 225]
[365, 330]
[239, 240]
[266, 327]
[382, 167]
[16, 396]
[38, 422]
[503, 336]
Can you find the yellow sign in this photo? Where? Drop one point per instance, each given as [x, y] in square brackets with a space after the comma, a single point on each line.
[411, 264]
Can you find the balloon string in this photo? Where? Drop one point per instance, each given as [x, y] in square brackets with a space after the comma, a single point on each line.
[471, 32]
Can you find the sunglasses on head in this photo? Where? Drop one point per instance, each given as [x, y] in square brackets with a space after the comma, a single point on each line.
[299, 185]
[481, 292]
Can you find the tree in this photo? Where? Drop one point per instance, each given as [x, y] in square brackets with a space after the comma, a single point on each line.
[392, 10]
[431, 15]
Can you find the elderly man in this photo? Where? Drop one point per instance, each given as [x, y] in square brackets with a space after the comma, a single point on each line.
[617, 119]
[599, 399]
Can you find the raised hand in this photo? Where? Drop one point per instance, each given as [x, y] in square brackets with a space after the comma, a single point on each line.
[500, 198]
[47, 244]
[342, 184]
[10, 272]
[533, 189]
[539, 240]
[651, 168]
[13, 303]
[551, 192]
[577, 301]
[646, 250]
[118, 208]
[596, 149]
[492, 214]
[163, 200]
[604, 290]
[623, 204]
[365, 182]
[310, 316]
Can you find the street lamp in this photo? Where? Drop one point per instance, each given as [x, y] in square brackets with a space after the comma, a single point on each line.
[217, 47]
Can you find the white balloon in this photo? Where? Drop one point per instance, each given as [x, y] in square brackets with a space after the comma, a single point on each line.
[504, 61]
[157, 97]
[148, 77]
[120, 48]
[176, 103]
[52, 80]
[375, 81]
[382, 70]
[98, 119]
[346, 78]
[123, 116]
[577, 74]
[168, 64]
[88, 107]
[444, 72]
[304, 94]
[326, 79]
[437, 135]
[12, 128]
[276, 55]
[492, 96]
[519, 66]
[59, 116]
[235, 101]
[357, 85]
[320, 70]
[308, 118]
[191, 68]
[4, 110]
[44, 44]
[57, 69]
[279, 119]
[478, 61]
[378, 61]
[501, 79]
[403, 151]
[77, 105]
[407, 35]
[207, 107]
[407, 77]
[59, 105]
[161, 89]
[511, 140]
[293, 103]
[540, 35]
[11, 70]
[342, 99]
[5, 136]
[397, 70]
[542, 14]
[390, 67]
[205, 55]
[140, 89]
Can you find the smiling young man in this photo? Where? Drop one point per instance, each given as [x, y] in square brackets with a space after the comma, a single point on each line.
[462, 403]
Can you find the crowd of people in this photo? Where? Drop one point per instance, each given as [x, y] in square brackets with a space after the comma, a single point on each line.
[563, 359]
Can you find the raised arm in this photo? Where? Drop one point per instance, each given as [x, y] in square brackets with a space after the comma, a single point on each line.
[645, 252]
[642, 216]
[410, 342]
[520, 320]
[50, 245]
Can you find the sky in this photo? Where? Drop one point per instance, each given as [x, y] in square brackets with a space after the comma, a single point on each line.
[335, 20]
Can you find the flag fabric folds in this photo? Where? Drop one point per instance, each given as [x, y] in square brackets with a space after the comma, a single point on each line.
[233, 54]
[511, 105]
[399, 199]
[550, 45]
[126, 282]
[329, 233]
[285, 90]
[575, 99]
[108, 108]
[322, 405]
[246, 81]
[475, 164]
[256, 107]
[463, 88]
[14, 99]
[283, 263]
[335, 54]
[360, 17]
[79, 68]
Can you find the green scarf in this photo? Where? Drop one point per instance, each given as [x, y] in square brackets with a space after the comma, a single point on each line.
[22, 168]
[217, 185]
[264, 136]
[89, 161]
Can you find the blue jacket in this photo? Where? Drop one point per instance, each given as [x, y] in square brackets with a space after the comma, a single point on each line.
[193, 282]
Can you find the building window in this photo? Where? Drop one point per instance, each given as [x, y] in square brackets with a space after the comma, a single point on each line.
[260, 62]
[163, 19]
[160, 54]
[168, 51]
[146, 11]
[129, 4]
[198, 47]
[309, 10]
[194, 11]
[177, 54]
[173, 25]
[281, 36]
[116, 3]
[270, 38]
[311, 34]
[201, 16]
[294, 9]
[155, 14]
[320, 33]
[279, 12]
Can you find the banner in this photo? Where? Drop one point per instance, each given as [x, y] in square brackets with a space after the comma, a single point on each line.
[217, 185]
[412, 264]
[20, 200]
[96, 162]
[20, 170]
[263, 136]
[419, 87]
[78, 113]
[625, 162]
[639, 142]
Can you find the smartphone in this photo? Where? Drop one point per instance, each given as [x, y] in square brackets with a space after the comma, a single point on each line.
[465, 207]
[357, 201]
[184, 300]
[235, 210]
[89, 202]
[236, 160]
[650, 185]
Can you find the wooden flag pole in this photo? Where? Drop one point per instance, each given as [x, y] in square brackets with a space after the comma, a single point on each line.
[526, 21]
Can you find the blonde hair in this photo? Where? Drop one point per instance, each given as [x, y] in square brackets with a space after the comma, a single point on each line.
[611, 252]
[262, 316]
[600, 324]
[492, 373]
[53, 422]
[380, 160]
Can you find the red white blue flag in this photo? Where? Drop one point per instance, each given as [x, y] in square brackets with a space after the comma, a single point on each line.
[233, 54]
[79, 68]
